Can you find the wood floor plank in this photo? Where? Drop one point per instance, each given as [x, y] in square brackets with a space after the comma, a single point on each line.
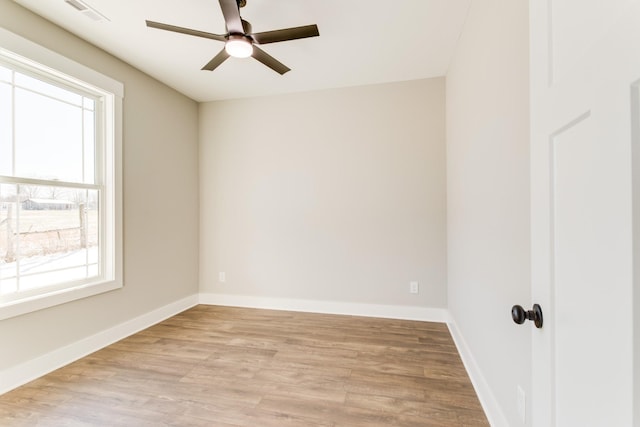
[239, 367]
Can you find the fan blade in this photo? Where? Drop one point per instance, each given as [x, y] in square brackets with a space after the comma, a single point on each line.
[187, 31]
[269, 61]
[286, 34]
[216, 61]
[232, 18]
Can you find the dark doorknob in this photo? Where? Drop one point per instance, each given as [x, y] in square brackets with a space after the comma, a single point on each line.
[519, 315]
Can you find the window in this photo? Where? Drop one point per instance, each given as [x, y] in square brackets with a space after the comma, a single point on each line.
[60, 203]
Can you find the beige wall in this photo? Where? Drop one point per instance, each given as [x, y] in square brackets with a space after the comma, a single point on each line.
[488, 194]
[160, 203]
[335, 195]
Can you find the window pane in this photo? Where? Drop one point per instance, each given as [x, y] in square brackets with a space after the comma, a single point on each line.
[50, 278]
[58, 238]
[93, 270]
[5, 74]
[49, 235]
[53, 148]
[48, 89]
[89, 104]
[89, 147]
[8, 227]
[6, 126]
[9, 283]
[49, 222]
[92, 223]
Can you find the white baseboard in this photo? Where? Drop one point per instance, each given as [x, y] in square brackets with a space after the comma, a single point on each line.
[487, 399]
[30, 370]
[329, 307]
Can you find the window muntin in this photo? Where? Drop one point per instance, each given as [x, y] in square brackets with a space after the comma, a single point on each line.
[60, 214]
[6, 133]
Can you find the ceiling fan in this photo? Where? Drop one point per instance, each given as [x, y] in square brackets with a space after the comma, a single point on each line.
[239, 41]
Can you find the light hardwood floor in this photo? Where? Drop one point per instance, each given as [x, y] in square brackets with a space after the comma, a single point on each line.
[220, 366]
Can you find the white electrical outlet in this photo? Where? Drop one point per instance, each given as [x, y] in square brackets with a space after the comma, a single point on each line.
[522, 405]
[222, 277]
[413, 287]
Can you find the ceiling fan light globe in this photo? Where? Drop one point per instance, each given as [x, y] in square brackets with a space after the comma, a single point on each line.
[239, 47]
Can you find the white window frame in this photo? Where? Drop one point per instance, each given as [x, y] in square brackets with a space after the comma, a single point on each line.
[16, 49]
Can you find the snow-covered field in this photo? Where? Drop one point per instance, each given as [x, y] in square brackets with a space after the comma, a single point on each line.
[48, 270]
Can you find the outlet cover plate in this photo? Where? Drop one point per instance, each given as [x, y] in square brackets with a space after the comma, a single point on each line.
[413, 287]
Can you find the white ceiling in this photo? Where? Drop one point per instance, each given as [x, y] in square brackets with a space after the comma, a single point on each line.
[361, 41]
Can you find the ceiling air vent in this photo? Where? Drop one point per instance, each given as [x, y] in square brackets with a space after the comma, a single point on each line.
[87, 10]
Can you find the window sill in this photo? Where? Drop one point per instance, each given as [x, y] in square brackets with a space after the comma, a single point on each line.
[43, 301]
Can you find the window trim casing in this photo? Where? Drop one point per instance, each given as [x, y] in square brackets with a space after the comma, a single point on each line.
[38, 57]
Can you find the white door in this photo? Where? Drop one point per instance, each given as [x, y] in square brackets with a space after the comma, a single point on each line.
[585, 69]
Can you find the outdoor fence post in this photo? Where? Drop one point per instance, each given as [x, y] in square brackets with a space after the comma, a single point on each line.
[10, 255]
[83, 225]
